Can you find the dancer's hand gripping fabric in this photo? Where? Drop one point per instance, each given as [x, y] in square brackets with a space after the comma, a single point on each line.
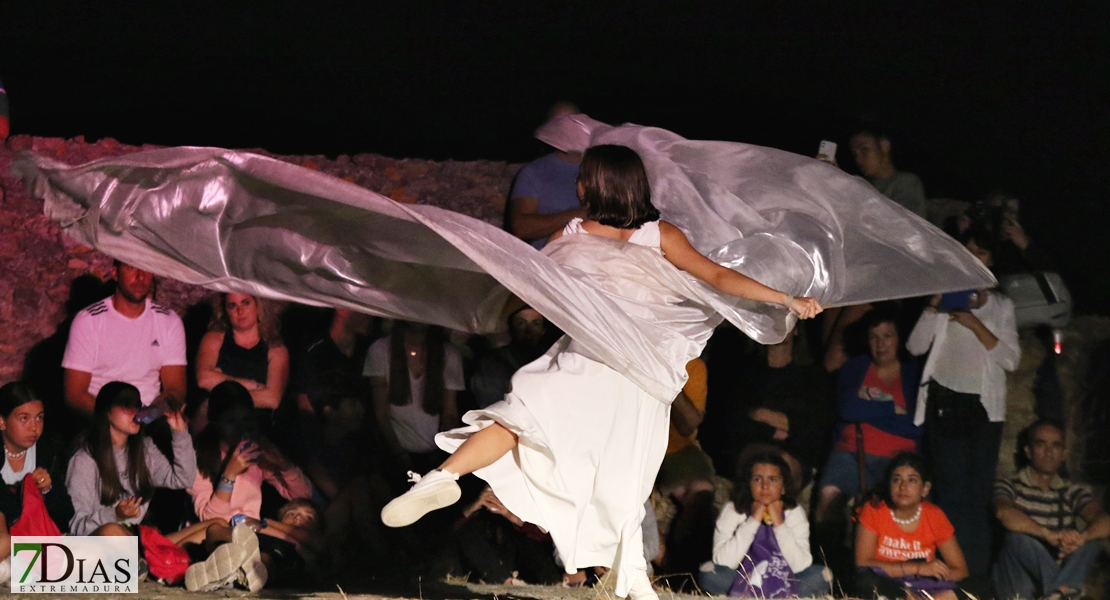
[805, 308]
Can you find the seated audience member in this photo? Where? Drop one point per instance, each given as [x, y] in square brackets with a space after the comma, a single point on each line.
[905, 545]
[686, 477]
[1045, 551]
[786, 406]
[125, 337]
[243, 345]
[112, 476]
[685, 462]
[871, 148]
[494, 370]
[330, 364]
[414, 377]
[231, 452]
[332, 360]
[963, 405]
[761, 545]
[876, 394]
[544, 197]
[342, 463]
[500, 548]
[28, 454]
[128, 338]
[289, 549]
[838, 327]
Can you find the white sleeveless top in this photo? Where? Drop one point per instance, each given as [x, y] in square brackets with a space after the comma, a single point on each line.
[646, 235]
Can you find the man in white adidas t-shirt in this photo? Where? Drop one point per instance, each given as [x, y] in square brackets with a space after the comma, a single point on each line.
[128, 338]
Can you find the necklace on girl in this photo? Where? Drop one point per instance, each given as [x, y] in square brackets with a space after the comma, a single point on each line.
[14, 455]
[909, 521]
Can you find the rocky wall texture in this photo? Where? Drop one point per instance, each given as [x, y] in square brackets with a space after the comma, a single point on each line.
[38, 264]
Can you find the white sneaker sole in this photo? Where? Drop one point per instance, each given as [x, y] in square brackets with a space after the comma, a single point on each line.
[253, 574]
[226, 563]
[216, 570]
[407, 508]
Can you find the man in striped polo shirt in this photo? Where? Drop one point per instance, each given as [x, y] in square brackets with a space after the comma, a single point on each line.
[1045, 550]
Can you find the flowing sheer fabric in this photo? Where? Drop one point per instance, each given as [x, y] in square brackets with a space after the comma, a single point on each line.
[791, 222]
[235, 221]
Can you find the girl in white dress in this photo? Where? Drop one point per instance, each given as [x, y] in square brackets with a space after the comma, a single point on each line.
[575, 446]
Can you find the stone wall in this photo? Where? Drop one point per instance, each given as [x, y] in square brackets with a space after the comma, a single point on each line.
[38, 263]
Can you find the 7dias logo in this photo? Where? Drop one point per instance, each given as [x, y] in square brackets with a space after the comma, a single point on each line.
[75, 565]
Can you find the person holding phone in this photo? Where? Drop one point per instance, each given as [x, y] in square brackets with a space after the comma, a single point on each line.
[112, 476]
[233, 459]
[962, 400]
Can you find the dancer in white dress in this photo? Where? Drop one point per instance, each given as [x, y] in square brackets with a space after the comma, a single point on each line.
[575, 446]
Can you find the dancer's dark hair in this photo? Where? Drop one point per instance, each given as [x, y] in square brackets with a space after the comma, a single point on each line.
[97, 441]
[615, 187]
[742, 487]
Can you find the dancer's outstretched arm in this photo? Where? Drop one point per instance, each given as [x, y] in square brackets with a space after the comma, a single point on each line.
[681, 254]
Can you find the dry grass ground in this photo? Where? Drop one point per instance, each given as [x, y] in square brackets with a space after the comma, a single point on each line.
[416, 591]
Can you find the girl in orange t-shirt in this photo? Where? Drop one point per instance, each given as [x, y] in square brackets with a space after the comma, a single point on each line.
[900, 535]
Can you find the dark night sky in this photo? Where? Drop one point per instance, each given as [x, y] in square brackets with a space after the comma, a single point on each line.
[1011, 96]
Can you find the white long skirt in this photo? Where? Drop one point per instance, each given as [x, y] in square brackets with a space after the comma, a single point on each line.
[591, 443]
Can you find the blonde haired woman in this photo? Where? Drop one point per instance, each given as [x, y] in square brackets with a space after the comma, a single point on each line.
[243, 345]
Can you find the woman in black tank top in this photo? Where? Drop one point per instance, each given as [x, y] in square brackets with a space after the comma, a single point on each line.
[243, 345]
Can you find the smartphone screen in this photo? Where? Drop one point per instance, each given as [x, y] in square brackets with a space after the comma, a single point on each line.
[958, 301]
[826, 150]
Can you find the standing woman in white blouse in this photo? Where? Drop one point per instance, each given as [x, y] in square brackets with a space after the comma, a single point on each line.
[962, 401]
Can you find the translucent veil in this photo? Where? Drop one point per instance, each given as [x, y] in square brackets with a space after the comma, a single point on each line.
[235, 221]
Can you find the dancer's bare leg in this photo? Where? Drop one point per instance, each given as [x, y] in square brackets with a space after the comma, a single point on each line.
[480, 450]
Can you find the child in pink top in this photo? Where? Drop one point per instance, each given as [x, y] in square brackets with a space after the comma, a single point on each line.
[246, 495]
[232, 462]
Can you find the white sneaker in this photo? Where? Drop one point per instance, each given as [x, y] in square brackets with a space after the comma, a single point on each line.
[435, 490]
[252, 575]
[641, 587]
[227, 563]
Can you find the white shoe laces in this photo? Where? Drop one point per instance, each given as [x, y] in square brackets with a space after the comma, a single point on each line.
[414, 477]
